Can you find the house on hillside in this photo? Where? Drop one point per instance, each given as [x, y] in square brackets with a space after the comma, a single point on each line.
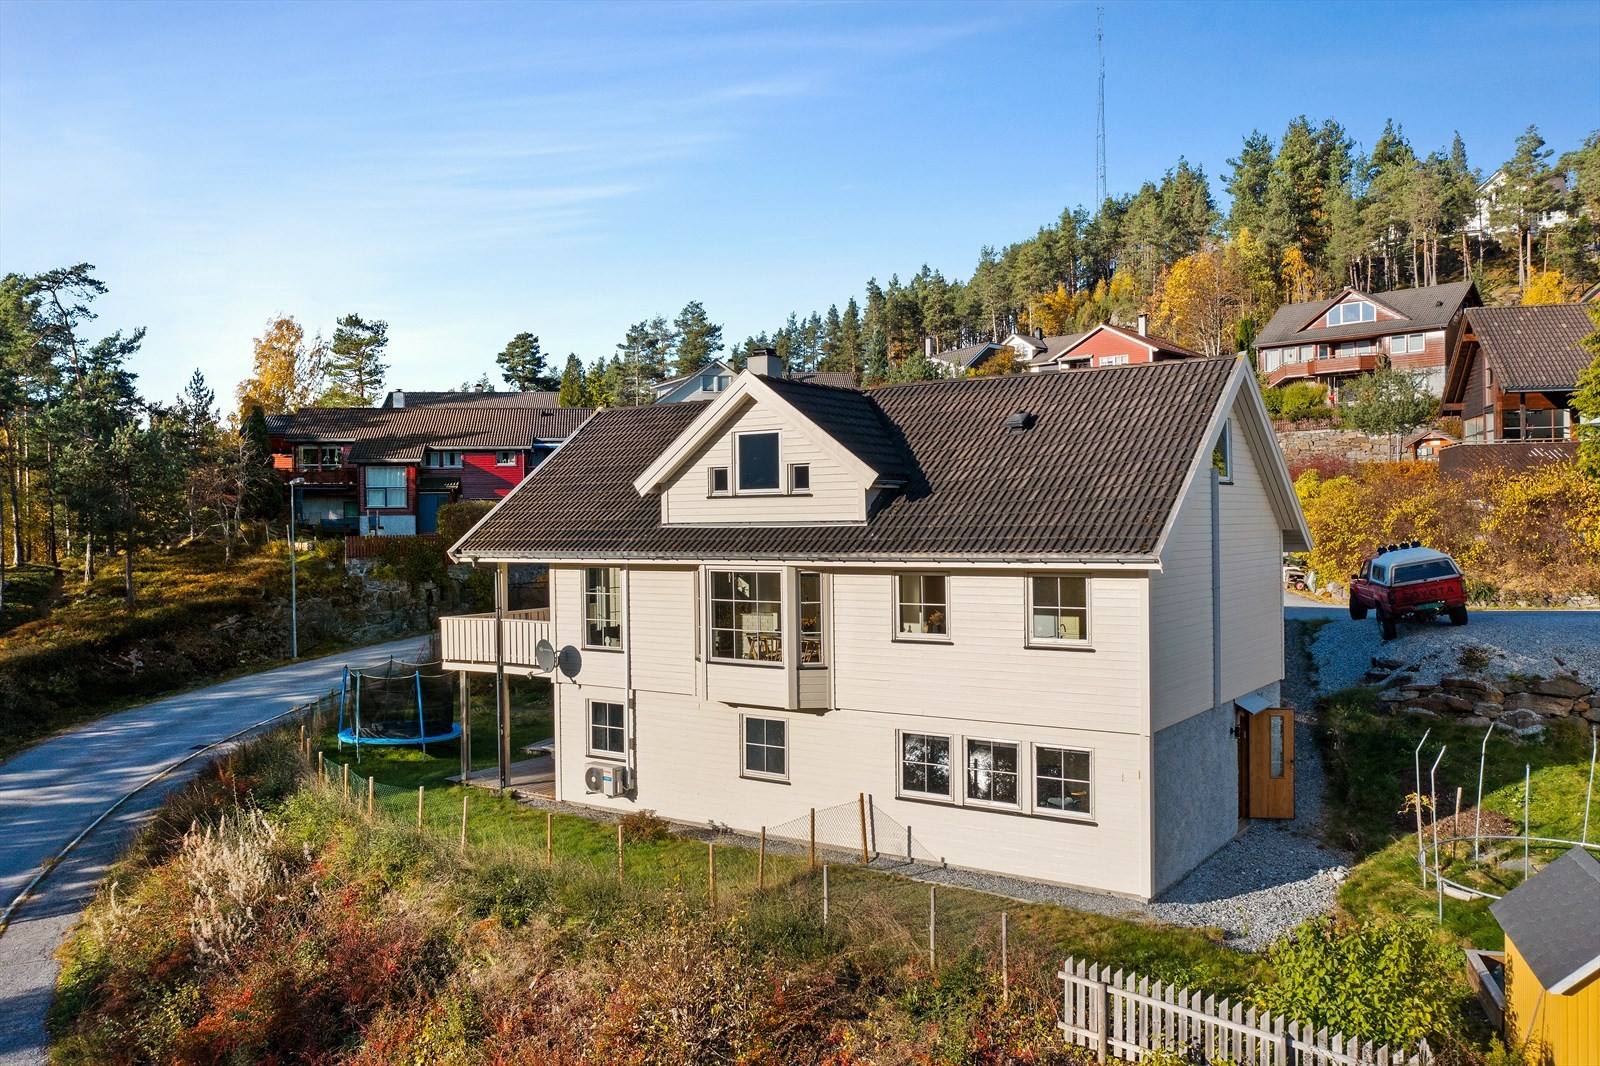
[1039, 631]
[1514, 371]
[714, 378]
[1481, 222]
[1354, 332]
[1105, 345]
[388, 470]
[1551, 980]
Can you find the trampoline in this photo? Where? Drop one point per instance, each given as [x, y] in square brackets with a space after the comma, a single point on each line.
[399, 704]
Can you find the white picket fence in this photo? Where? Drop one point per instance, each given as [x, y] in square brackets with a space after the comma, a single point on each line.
[1126, 1016]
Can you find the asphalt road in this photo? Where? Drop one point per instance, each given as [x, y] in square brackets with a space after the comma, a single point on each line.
[50, 792]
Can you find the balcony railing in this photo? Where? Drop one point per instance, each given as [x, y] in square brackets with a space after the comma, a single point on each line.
[467, 641]
[1344, 364]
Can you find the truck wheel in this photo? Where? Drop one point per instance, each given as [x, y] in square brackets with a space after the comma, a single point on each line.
[1386, 623]
[1358, 610]
[1458, 615]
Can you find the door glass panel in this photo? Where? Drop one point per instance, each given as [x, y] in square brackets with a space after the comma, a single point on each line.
[1277, 745]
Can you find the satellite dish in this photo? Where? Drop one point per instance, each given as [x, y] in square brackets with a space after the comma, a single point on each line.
[544, 656]
[570, 661]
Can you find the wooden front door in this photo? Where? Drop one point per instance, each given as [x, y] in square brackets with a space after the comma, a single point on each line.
[1271, 786]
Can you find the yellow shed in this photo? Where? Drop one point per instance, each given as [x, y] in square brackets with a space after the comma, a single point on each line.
[1552, 976]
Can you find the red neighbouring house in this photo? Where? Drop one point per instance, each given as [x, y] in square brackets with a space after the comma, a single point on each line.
[387, 470]
[1109, 345]
[1354, 332]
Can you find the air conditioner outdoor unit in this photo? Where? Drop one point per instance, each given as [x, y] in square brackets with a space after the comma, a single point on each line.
[606, 779]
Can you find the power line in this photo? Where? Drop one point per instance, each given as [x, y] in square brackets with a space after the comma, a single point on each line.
[1100, 129]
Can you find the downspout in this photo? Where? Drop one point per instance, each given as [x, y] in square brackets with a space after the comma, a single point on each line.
[627, 676]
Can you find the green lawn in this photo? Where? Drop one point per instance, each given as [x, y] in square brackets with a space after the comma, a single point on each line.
[1370, 773]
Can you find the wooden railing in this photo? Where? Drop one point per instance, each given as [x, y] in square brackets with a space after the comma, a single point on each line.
[466, 642]
[1125, 1016]
[1344, 364]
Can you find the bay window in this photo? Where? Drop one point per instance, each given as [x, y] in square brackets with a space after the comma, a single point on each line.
[810, 619]
[746, 609]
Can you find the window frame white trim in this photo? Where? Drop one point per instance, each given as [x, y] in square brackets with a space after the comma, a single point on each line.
[1022, 773]
[432, 455]
[588, 738]
[501, 454]
[1058, 643]
[896, 606]
[955, 741]
[622, 636]
[737, 465]
[711, 481]
[788, 749]
[795, 490]
[404, 488]
[712, 627]
[1033, 781]
[823, 602]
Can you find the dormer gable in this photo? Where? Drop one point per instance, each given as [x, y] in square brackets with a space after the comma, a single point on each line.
[1352, 307]
[770, 453]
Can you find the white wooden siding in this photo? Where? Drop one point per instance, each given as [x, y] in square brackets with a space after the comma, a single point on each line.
[661, 623]
[836, 493]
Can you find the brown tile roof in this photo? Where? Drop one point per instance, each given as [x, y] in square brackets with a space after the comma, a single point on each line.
[1093, 476]
[1534, 349]
[1425, 307]
[401, 435]
[839, 379]
[477, 399]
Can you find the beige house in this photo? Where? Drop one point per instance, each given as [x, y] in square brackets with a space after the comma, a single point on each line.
[1037, 618]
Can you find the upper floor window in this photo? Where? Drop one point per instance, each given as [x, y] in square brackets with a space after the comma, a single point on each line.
[800, 477]
[1059, 608]
[386, 486]
[313, 455]
[757, 462]
[1113, 360]
[1354, 311]
[505, 458]
[1553, 424]
[444, 458]
[718, 476]
[810, 618]
[923, 605]
[746, 608]
[602, 607]
[708, 383]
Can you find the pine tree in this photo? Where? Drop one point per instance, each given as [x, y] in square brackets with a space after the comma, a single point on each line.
[264, 495]
[1247, 185]
[850, 337]
[355, 367]
[1294, 194]
[641, 361]
[523, 366]
[695, 340]
[1523, 197]
[572, 391]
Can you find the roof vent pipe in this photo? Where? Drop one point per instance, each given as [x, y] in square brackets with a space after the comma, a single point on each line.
[764, 362]
[1144, 324]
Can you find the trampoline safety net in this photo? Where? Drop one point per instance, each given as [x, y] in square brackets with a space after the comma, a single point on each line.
[398, 703]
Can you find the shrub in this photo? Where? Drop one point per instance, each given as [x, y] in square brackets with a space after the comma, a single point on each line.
[645, 826]
[1391, 981]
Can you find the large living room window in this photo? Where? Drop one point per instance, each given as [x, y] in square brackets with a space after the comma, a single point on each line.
[602, 607]
[1063, 781]
[1553, 424]
[746, 609]
[758, 462]
[1059, 611]
[606, 733]
[386, 486]
[925, 765]
[992, 772]
[923, 606]
[766, 747]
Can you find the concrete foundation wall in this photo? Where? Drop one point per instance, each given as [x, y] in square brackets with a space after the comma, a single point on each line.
[1196, 785]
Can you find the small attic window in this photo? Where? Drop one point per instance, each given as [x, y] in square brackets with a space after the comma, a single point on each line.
[1222, 455]
[1018, 421]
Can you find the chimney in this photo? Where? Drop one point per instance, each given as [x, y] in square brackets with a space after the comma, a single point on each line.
[1144, 324]
[927, 347]
[397, 398]
[765, 363]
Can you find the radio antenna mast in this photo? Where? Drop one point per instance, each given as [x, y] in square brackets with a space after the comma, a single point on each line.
[1100, 128]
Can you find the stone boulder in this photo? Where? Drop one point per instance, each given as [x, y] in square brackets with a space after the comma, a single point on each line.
[1442, 703]
[1568, 688]
[1550, 706]
[1473, 689]
[1523, 723]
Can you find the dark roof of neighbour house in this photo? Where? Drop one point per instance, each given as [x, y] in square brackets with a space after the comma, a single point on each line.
[1054, 346]
[1089, 478]
[1534, 348]
[476, 399]
[837, 378]
[965, 357]
[402, 434]
[1425, 307]
[1550, 918]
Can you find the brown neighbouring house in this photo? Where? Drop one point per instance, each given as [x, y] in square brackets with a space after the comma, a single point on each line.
[1514, 371]
[1354, 332]
[387, 470]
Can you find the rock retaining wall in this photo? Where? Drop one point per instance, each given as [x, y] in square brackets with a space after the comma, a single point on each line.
[1304, 445]
[1522, 705]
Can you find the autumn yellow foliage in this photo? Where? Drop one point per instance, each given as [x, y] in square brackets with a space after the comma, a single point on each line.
[1530, 536]
[1545, 287]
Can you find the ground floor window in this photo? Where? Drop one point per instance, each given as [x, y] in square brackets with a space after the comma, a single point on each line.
[992, 772]
[766, 747]
[386, 486]
[606, 733]
[1062, 778]
[1537, 425]
[925, 765]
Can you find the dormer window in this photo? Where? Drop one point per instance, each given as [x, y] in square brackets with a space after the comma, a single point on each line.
[719, 481]
[1354, 311]
[800, 478]
[758, 462]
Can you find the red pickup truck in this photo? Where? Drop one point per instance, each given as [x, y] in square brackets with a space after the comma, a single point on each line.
[1408, 581]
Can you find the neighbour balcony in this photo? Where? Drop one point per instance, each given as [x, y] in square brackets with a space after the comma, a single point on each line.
[1344, 364]
[327, 476]
[466, 642]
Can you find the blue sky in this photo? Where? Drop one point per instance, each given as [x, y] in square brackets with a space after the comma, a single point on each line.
[468, 171]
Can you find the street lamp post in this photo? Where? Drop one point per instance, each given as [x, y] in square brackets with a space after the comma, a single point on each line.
[294, 606]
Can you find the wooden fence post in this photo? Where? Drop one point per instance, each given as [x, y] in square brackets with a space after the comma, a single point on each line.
[861, 800]
[1102, 1020]
[711, 871]
[347, 782]
[813, 838]
[322, 774]
[824, 895]
[419, 806]
[370, 790]
[463, 821]
[761, 862]
[1005, 970]
[933, 921]
[619, 853]
[549, 847]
